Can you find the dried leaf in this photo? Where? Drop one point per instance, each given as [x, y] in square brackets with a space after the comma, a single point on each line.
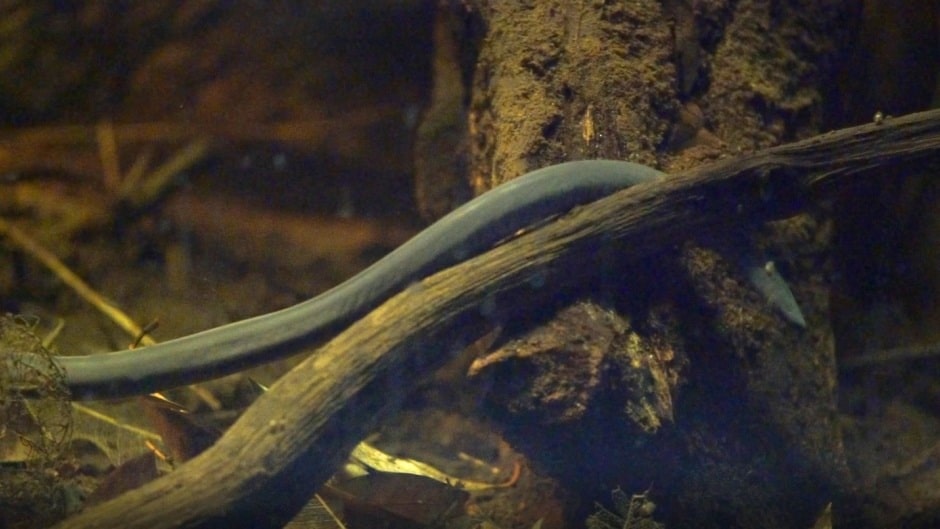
[131, 474]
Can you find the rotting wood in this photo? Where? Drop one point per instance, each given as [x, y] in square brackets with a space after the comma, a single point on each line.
[293, 438]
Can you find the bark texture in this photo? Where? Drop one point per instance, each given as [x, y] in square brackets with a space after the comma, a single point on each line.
[751, 437]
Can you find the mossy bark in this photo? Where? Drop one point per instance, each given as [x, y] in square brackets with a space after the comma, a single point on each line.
[755, 439]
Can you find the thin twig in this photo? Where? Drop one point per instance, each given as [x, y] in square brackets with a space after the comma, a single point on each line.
[83, 289]
[89, 294]
[893, 355]
[311, 130]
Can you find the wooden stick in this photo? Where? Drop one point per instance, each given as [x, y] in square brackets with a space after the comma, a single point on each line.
[292, 439]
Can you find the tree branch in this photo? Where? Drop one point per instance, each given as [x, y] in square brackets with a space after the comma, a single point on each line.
[294, 437]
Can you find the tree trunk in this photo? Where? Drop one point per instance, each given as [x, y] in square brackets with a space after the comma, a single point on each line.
[672, 84]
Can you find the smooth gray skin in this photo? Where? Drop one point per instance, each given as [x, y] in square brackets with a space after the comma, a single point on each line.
[467, 231]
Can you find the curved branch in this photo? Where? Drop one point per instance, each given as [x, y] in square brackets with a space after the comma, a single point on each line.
[292, 439]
